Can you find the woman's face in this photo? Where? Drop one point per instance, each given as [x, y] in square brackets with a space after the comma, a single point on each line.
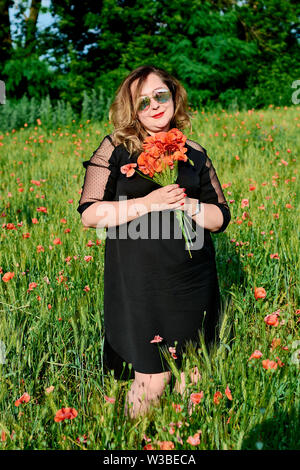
[146, 117]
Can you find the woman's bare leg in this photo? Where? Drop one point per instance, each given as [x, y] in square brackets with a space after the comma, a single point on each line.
[146, 389]
[195, 377]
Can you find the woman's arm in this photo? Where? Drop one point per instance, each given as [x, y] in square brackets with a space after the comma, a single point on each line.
[215, 213]
[97, 206]
[209, 217]
[111, 213]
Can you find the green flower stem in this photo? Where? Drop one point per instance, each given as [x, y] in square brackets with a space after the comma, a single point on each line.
[180, 216]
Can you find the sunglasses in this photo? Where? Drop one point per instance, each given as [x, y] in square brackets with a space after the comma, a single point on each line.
[160, 96]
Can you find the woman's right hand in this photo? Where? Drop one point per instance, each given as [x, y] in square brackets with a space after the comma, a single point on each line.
[166, 197]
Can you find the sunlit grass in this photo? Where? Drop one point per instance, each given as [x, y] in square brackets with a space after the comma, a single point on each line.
[52, 332]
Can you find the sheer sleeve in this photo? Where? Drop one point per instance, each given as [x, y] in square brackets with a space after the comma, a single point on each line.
[100, 176]
[210, 188]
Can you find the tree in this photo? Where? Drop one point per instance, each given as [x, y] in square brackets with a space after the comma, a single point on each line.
[31, 22]
[22, 68]
[5, 35]
[219, 49]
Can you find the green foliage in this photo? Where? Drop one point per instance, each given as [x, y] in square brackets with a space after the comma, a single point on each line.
[226, 54]
[30, 74]
[53, 113]
[14, 115]
[94, 105]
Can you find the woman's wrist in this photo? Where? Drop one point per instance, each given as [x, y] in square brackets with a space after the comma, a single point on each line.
[141, 206]
[192, 206]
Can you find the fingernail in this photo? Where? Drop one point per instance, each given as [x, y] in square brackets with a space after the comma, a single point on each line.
[182, 203]
[184, 195]
[178, 185]
[183, 189]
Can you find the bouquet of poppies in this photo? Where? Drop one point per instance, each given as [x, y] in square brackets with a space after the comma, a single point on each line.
[159, 162]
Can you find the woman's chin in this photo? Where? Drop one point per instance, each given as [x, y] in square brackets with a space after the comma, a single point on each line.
[163, 127]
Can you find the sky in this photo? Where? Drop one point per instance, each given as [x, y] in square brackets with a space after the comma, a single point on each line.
[44, 19]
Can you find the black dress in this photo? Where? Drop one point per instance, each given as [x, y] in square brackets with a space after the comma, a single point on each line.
[151, 285]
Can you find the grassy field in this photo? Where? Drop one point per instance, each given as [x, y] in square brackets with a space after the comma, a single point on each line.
[51, 308]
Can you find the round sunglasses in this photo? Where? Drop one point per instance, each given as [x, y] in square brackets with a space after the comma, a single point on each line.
[160, 96]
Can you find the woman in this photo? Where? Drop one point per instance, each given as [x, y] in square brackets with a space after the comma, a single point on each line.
[153, 290]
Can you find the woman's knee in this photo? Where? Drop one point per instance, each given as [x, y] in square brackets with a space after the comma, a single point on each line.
[152, 384]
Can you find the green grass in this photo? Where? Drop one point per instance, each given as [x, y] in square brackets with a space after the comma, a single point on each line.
[61, 346]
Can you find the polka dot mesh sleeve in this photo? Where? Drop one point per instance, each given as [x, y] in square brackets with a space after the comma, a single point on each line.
[210, 188]
[99, 180]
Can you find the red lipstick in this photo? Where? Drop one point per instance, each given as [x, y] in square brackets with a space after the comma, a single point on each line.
[156, 116]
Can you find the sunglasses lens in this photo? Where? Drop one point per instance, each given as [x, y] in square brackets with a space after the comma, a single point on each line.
[144, 103]
[163, 96]
[160, 96]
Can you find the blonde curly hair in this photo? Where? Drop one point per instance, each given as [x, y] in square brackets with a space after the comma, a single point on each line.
[123, 112]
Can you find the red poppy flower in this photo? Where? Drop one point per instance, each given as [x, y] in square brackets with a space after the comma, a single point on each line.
[32, 285]
[228, 393]
[196, 397]
[256, 355]
[259, 293]
[272, 319]
[109, 399]
[267, 364]
[128, 169]
[25, 398]
[148, 447]
[173, 352]
[166, 445]
[194, 440]
[11, 226]
[217, 397]
[8, 276]
[162, 150]
[156, 339]
[42, 209]
[65, 413]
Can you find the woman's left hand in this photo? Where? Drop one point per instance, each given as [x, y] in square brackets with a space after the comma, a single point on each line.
[189, 206]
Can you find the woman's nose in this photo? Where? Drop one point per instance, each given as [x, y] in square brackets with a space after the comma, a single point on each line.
[154, 104]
